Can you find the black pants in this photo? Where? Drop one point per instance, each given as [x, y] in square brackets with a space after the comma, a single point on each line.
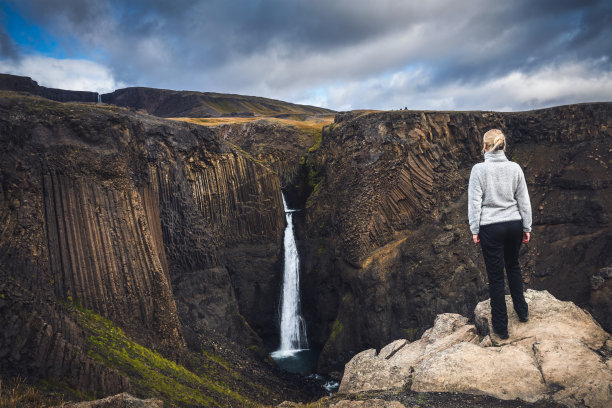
[500, 244]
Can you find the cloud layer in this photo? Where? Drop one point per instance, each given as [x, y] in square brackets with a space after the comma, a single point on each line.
[345, 54]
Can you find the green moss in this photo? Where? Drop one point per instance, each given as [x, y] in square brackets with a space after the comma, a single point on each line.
[313, 178]
[153, 375]
[1, 295]
[317, 137]
[336, 330]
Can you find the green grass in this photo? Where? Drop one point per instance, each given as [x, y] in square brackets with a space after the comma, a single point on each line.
[16, 392]
[151, 374]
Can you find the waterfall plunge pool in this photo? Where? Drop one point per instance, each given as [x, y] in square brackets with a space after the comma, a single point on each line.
[303, 362]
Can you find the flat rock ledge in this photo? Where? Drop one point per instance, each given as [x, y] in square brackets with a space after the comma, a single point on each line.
[123, 400]
[561, 354]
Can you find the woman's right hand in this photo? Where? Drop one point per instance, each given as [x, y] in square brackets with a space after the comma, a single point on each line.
[526, 237]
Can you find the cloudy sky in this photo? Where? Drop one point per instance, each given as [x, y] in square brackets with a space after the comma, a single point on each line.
[341, 54]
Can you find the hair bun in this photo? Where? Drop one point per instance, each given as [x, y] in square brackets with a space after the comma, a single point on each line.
[498, 139]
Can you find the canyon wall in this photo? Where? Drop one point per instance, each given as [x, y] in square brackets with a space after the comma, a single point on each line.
[387, 245]
[156, 225]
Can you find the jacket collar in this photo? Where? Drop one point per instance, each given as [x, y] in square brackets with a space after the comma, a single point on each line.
[495, 156]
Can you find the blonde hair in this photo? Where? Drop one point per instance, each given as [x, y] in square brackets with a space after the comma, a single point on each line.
[494, 139]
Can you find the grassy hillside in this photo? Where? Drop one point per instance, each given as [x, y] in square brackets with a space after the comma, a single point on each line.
[169, 103]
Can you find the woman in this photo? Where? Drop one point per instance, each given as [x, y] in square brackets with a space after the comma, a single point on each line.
[499, 212]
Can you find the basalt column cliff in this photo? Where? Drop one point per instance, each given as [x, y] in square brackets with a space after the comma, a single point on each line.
[387, 245]
[149, 223]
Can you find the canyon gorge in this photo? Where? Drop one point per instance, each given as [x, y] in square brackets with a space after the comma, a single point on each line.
[144, 234]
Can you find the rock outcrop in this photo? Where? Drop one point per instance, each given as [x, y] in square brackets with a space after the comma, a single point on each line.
[123, 400]
[561, 353]
[387, 246]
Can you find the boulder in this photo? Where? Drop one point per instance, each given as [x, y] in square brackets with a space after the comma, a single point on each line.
[392, 367]
[373, 403]
[123, 400]
[561, 353]
[502, 372]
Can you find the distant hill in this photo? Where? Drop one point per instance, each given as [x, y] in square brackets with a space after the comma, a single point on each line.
[167, 103]
[27, 84]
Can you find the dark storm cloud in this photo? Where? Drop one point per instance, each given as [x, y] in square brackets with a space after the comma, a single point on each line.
[8, 48]
[285, 48]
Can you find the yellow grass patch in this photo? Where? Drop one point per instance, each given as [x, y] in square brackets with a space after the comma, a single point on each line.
[313, 123]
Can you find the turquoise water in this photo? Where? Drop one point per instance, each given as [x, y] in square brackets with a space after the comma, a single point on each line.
[302, 361]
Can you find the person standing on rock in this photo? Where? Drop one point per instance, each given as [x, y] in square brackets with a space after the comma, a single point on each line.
[499, 212]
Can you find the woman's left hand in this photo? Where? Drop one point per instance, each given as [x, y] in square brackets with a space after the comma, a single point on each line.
[476, 238]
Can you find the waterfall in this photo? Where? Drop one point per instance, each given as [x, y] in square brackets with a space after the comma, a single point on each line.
[99, 98]
[292, 327]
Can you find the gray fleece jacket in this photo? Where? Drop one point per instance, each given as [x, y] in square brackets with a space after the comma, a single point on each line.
[497, 193]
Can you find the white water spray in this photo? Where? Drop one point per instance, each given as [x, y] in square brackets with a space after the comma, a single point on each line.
[99, 98]
[292, 328]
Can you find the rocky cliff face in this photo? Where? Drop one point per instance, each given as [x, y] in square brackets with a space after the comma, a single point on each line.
[156, 225]
[387, 241]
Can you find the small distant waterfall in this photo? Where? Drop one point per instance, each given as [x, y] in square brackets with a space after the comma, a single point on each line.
[292, 327]
[99, 98]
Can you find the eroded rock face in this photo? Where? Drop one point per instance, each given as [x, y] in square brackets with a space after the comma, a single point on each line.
[387, 241]
[560, 353]
[134, 217]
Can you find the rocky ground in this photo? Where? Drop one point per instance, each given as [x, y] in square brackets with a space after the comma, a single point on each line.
[561, 354]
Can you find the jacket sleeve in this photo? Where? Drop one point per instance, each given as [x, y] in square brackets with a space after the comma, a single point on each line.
[474, 201]
[522, 198]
